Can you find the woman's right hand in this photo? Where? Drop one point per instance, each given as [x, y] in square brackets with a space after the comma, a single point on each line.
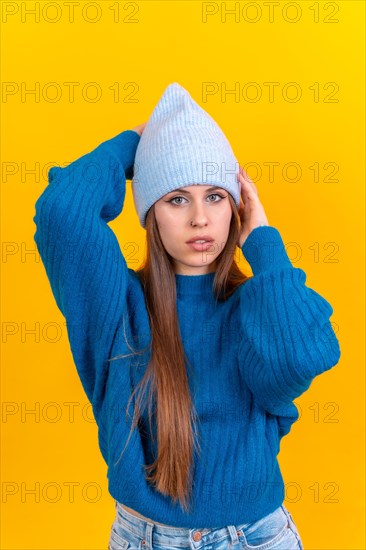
[140, 128]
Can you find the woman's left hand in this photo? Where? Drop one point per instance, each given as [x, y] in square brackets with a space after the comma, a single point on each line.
[251, 211]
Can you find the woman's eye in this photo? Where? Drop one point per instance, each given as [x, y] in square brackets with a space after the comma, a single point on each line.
[216, 195]
[174, 199]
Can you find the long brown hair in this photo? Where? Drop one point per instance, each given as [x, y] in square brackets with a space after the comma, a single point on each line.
[166, 375]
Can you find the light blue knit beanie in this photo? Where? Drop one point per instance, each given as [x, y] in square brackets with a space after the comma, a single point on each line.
[181, 145]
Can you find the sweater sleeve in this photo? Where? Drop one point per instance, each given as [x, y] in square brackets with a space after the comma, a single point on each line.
[87, 272]
[287, 337]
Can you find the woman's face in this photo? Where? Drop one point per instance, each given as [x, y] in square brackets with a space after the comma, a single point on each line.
[189, 213]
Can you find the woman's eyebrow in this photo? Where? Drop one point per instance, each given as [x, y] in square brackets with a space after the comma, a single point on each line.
[189, 193]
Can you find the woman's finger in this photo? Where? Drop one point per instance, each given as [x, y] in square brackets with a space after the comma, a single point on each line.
[248, 192]
[243, 176]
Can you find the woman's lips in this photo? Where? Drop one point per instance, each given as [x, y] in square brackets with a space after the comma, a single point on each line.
[200, 246]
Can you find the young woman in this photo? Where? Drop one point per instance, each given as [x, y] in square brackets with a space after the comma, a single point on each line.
[210, 359]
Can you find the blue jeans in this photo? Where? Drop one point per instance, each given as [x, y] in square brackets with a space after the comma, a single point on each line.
[276, 531]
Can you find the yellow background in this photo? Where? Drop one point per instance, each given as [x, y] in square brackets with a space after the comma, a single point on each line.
[151, 44]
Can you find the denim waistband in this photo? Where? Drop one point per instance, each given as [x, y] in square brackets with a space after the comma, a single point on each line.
[153, 533]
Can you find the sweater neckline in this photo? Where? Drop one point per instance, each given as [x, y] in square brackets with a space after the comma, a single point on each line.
[194, 285]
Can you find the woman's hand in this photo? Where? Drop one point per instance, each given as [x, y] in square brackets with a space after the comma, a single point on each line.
[251, 211]
[140, 128]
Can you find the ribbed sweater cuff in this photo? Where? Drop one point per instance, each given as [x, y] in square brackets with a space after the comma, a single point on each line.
[124, 147]
[264, 250]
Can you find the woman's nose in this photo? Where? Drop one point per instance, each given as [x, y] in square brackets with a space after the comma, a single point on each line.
[198, 215]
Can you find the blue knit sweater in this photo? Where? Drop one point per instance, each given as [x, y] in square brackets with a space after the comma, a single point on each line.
[252, 355]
